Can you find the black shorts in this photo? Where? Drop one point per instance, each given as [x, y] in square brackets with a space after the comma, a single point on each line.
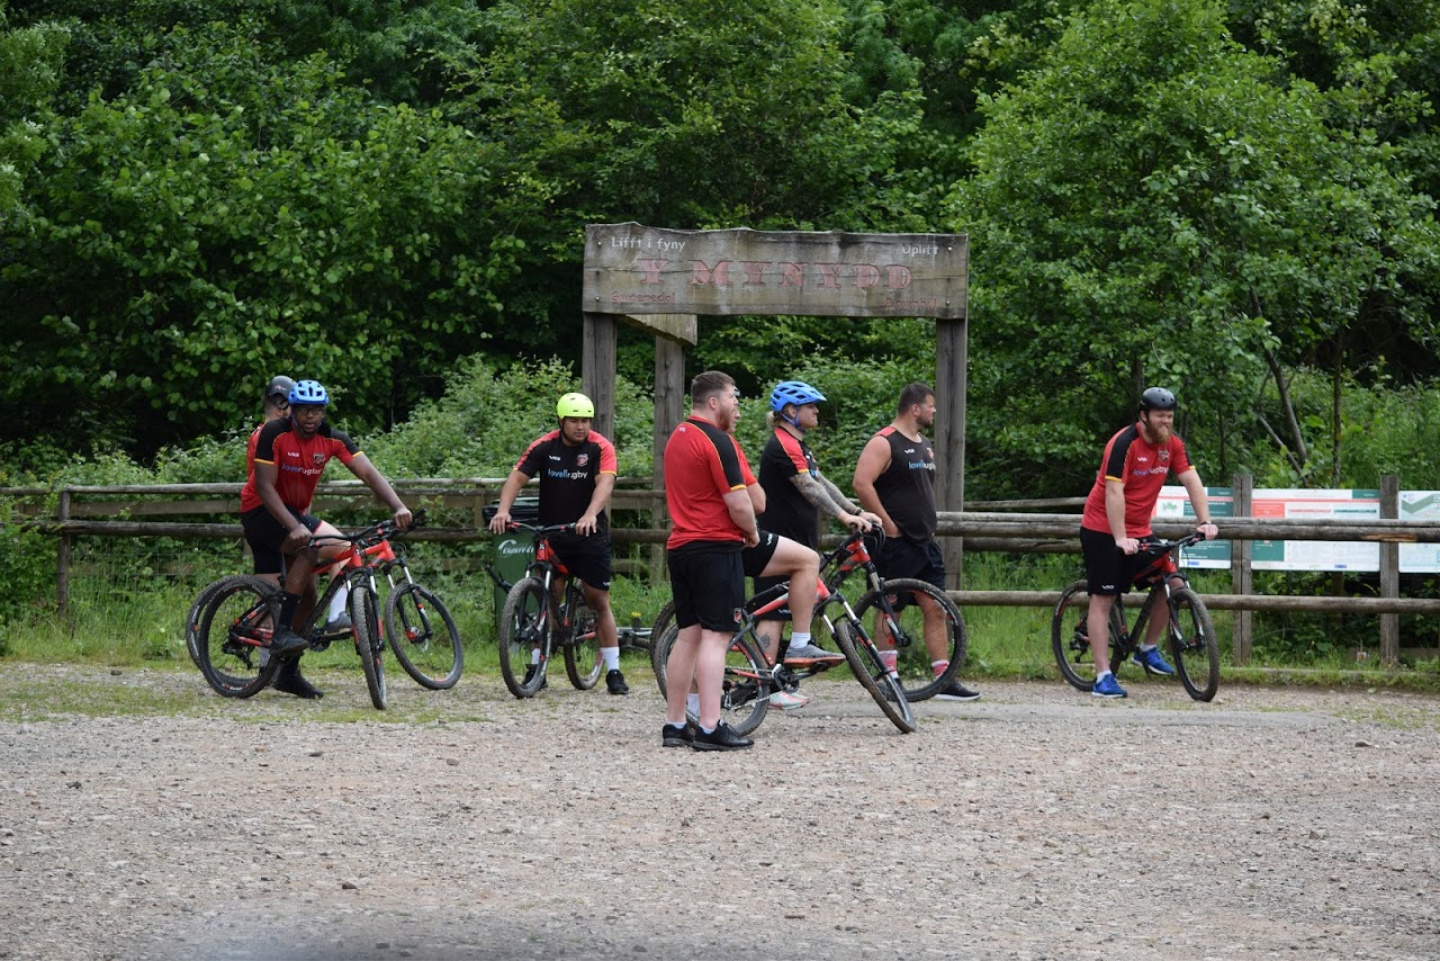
[755, 558]
[594, 567]
[265, 534]
[707, 579]
[1108, 569]
[901, 557]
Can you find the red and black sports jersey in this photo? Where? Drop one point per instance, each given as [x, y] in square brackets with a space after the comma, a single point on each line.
[787, 512]
[299, 462]
[907, 487]
[702, 465]
[567, 475]
[1142, 467]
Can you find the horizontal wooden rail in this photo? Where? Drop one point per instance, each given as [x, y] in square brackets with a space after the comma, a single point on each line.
[1227, 602]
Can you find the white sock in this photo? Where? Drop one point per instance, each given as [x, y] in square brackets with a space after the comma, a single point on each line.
[939, 667]
[1102, 675]
[1147, 648]
[611, 655]
[799, 639]
[692, 704]
[534, 655]
[338, 603]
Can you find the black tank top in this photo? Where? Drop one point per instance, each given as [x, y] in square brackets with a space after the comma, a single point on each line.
[907, 487]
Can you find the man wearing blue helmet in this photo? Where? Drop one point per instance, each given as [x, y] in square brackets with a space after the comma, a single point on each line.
[796, 495]
[290, 455]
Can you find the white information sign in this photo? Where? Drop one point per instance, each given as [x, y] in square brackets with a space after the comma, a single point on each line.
[1420, 506]
[1174, 504]
[1316, 555]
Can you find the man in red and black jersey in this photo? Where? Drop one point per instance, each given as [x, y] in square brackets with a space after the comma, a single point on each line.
[290, 456]
[577, 468]
[895, 479]
[1116, 521]
[796, 494]
[712, 519]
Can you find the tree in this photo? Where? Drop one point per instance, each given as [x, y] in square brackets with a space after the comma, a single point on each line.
[1154, 204]
[29, 73]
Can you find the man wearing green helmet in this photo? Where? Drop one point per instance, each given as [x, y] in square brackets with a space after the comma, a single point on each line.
[576, 467]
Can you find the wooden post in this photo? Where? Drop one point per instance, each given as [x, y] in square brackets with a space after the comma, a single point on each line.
[1242, 574]
[597, 369]
[62, 556]
[950, 387]
[669, 411]
[1389, 571]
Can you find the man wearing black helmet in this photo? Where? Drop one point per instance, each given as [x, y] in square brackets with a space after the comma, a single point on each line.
[1116, 522]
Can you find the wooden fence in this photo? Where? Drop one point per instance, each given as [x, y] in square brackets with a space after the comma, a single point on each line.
[130, 511]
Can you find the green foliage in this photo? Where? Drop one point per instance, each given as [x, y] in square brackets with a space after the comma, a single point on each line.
[29, 74]
[231, 217]
[487, 418]
[1155, 204]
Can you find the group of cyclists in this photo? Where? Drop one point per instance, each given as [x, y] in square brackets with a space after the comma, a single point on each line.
[727, 523]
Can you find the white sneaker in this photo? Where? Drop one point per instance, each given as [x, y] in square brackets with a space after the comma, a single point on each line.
[788, 701]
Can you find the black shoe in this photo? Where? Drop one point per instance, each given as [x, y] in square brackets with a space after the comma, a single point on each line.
[289, 681]
[286, 643]
[723, 738]
[530, 676]
[958, 692]
[676, 735]
[615, 682]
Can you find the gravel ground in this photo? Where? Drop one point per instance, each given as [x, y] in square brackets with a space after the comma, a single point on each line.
[1035, 823]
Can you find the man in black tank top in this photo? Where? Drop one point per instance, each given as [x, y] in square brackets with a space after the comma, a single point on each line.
[895, 479]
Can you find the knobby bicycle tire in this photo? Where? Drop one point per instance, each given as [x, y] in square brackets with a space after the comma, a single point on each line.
[369, 642]
[1070, 642]
[233, 634]
[745, 688]
[192, 619]
[423, 637]
[583, 662]
[916, 675]
[525, 626]
[1194, 648]
[657, 631]
[870, 671]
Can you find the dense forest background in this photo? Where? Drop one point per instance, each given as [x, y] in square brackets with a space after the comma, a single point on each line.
[1231, 199]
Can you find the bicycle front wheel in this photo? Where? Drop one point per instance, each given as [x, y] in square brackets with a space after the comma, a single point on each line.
[525, 628]
[900, 621]
[424, 637]
[232, 636]
[870, 671]
[745, 688]
[1193, 644]
[582, 652]
[369, 642]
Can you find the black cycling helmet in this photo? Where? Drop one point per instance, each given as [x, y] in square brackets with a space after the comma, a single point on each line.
[279, 388]
[1157, 398]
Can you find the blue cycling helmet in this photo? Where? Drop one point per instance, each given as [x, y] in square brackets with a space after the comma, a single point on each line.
[795, 392]
[309, 392]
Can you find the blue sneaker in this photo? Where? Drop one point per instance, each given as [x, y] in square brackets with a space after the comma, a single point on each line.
[1107, 686]
[1154, 662]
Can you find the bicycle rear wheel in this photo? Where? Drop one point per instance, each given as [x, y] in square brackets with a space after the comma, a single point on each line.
[745, 689]
[900, 617]
[870, 671]
[192, 619]
[369, 642]
[1193, 644]
[424, 637]
[1070, 638]
[525, 627]
[657, 631]
[582, 653]
[232, 636]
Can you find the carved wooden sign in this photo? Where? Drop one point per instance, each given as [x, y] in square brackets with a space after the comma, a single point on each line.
[634, 269]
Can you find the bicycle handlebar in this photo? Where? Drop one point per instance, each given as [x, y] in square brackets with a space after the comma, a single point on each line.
[374, 534]
[1159, 547]
[541, 530]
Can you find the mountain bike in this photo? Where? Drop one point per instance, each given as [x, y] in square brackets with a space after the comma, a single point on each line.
[751, 676]
[895, 607]
[539, 616]
[1190, 634]
[230, 624]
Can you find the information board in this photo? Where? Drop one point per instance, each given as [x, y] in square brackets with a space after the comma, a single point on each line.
[1174, 504]
[1420, 506]
[1315, 555]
